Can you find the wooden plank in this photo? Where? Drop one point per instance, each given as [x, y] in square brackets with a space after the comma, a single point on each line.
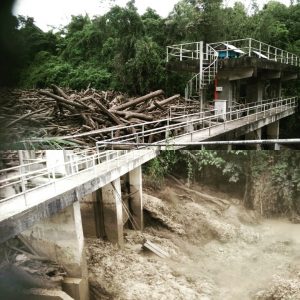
[155, 249]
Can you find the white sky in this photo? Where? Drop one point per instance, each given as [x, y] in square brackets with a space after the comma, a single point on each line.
[58, 12]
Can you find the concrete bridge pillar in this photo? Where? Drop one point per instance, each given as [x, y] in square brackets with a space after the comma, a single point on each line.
[136, 197]
[255, 89]
[60, 238]
[113, 212]
[226, 92]
[273, 133]
[275, 88]
[254, 135]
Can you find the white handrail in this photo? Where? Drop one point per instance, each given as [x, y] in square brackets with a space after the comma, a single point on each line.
[85, 162]
[250, 47]
[200, 119]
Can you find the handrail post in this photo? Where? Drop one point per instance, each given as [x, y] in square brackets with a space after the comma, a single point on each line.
[167, 130]
[250, 45]
[181, 52]
[167, 54]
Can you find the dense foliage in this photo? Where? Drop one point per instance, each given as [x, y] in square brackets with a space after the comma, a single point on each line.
[126, 51]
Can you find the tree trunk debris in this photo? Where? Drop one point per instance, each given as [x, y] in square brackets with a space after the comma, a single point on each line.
[70, 117]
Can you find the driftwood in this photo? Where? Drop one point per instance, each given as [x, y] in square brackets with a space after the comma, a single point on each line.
[206, 197]
[24, 117]
[158, 105]
[164, 102]
[136, 101]
[60, 99]
[106, 111]
[129, 115]
[57, 90]
[81, 117]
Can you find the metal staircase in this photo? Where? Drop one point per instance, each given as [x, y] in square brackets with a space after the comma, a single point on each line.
[208, 66]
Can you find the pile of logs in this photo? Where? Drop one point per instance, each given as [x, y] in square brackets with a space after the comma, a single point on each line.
[56, 112]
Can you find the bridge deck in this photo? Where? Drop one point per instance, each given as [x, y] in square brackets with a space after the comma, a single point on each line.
[245, 125]
[21, 211]
[198, 127]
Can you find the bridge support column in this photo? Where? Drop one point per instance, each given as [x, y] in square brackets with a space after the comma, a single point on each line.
[227, 91]
[136, 198]
[60, 238]
[254, 135]
[276, 88]
[273, 133]
[255, 89]
[113, 212]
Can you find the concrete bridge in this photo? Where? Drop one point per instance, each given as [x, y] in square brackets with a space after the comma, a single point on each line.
[247, 120]
[40, 198]
[41, 201]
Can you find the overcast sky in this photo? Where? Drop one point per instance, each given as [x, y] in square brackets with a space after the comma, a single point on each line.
[58, 12]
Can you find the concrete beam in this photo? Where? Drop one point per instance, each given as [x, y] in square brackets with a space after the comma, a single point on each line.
[136, 198]
[288, 77]
[259, 64]
[60, 238]
[113, 212]
[270, 74]
[236, 74]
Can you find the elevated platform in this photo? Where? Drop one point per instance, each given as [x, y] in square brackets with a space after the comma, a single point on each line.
[21, 211]
[246, 67]
[200, 127]
[231, 62]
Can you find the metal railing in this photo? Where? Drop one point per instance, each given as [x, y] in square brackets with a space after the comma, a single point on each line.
[185, 51]
[22, 180]
[208, 65]
[254, 48]
[208, 59]
[174, 127]
[206, 76]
